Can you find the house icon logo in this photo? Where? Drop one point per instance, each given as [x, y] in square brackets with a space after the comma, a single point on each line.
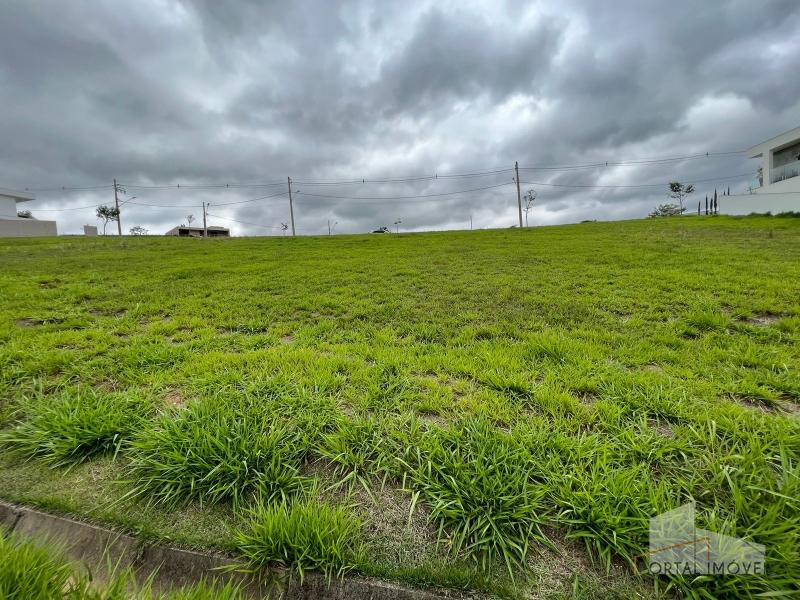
[678, 547]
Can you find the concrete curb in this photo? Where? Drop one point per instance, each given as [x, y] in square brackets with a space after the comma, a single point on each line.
[97, 547]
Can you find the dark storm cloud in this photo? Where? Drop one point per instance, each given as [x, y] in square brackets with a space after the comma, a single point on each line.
[163, 91]
[463, 57]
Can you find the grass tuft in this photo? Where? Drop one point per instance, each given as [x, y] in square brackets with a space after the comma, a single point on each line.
[480, 484]
[28, 572]
[303, 537]
[217, 451]
[32, 572]
[75, 425]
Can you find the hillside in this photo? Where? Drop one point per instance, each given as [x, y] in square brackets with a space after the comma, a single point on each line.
[494, 410]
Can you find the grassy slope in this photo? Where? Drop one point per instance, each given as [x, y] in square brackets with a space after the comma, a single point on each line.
[653, 361]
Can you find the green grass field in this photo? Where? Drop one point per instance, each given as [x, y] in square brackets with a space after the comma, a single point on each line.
[499, 411]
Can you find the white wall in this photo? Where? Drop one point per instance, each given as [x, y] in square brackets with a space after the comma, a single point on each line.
[8, 207]
[744, 204]
[26, 228]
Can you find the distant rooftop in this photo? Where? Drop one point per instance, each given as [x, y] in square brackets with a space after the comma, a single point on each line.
[17, 195]
[775, 142]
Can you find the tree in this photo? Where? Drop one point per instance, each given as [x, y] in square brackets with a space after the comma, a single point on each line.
[106, 214]
[678, 191]
[138, 230]
[530, 198]
[189, 219]
[667, 210]
[24, 214]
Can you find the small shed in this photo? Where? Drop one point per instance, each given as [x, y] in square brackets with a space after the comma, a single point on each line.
[185, 231]
[14, 225]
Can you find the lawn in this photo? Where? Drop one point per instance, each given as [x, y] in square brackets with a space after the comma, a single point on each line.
[500, 411]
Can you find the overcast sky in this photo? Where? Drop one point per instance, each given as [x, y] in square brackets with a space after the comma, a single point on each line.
[159, 92]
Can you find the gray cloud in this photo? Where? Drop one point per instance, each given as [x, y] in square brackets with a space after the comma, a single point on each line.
[164, 91]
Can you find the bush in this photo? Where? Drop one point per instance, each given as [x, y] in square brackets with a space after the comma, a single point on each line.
[217, 450]
[480, 485]
[667, 210]
[30, 572]
[303, 537]
[75, 425]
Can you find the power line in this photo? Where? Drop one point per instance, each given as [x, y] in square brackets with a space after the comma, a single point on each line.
[242, 222]
[199, 206]
[64, 209]
[406, 179]
[641, 185]
[488, 187]
[251, 200]
[198, 186]
[421, 197]
[164, 205]
[69, 189]
[402, 179]
[644, 161]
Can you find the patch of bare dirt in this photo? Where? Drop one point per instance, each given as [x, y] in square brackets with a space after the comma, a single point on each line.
[396, 534]
[553, 570]
[108, 384]
[586, 398]
[175, 398]
[287, 339]
[434, 419]
[402, 537]
[792, 408]
[780, 407]
[653, 368]
[762, 320]
[26, 322]
[663, 428]
[105, 312]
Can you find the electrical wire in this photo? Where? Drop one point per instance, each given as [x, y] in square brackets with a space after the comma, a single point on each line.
[199, 186]
[637, 186]
[488, 187]
[407, 179]
[70, 189]
[242, 222]
[644, 161]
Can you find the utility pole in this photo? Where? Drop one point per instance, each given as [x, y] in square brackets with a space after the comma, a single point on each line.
[470, 222]
[116, 203]
[519, 194]
[291, 209]
[205, 227]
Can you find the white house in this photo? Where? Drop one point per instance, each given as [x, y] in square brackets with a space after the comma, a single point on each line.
[12, 225]
[779, 171]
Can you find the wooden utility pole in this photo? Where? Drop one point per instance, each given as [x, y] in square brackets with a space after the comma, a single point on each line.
[291, 209]
[519, 194]
[116, 203]
[329, 226]
[205, 227]
[470, 222]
